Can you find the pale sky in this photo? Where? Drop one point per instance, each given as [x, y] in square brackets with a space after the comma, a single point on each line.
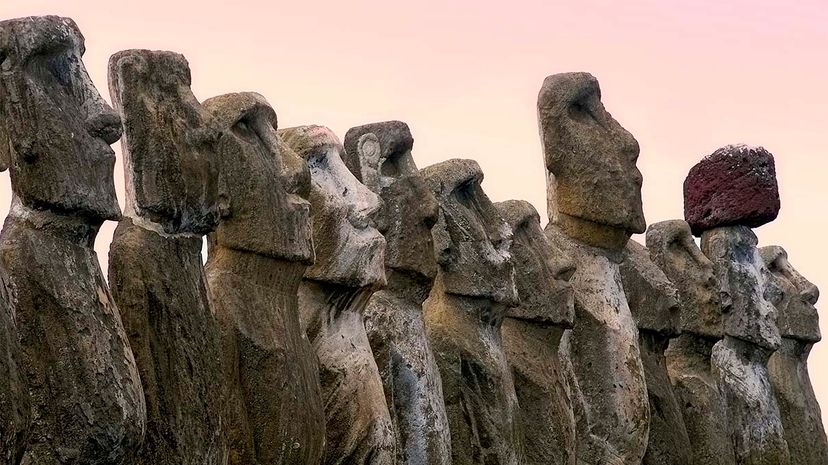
[685, 77]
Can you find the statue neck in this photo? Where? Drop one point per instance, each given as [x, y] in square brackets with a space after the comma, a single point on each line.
[277, 275]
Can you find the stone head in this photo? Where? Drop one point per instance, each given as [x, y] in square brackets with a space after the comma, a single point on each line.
[349, 249]
[702, 299]
[55, 128]
[168, 144]
[263, 184]
[542, 272]
[594, 186]
[793, 296]
[652, 297]
[471, 239]
[740, 269]
[379, 155]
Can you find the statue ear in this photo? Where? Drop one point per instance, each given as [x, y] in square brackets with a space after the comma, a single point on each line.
[370, 158]
[5, 148]
[443, 250]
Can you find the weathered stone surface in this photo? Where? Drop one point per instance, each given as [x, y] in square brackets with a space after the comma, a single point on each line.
[532, 333]
[256, 261]
[740, 359]
[464, 313]
[794, 298]
[594, 187]
[379, 155]
[594, 193]
[87, 404]
[14, 398]
[348, 269]
[735, 185]
[652, 297]
[671, 247]
[653, 301]
[155, 266]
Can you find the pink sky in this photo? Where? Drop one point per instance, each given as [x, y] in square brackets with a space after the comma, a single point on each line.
[685, 77]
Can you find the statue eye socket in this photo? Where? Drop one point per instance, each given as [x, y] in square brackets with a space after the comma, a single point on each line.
[3, 56]
[579, 110]
[59, 66]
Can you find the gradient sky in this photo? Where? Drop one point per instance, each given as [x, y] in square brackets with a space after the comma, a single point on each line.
[685, 77]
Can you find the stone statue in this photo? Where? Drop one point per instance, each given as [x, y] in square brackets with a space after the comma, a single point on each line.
[256, 259]
[654, 303]
[349, 268]
[155, 265]
[701, 301]
[464, 312]
[532, 334]
[87, 403]
[751, 335]
[595, 206]
[794, 298]
[379, 155]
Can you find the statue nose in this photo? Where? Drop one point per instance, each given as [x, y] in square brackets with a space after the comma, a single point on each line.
[105, 125]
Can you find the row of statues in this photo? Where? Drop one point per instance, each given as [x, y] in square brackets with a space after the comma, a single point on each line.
[354, 309]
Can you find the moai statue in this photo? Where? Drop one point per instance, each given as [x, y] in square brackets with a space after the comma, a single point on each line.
[794, 298]
[56, 131]
[595, 206]
[349, 268]
[155, 265]
[379, 155]
[654, 303]
[726, 194]
[701, 302]
[464, 313]
[532, 334]
[256, 259]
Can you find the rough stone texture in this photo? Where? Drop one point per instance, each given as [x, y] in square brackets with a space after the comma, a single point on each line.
[256, 261]
[532, 333]
[794, 298]
[464, 313]
[735, 185]
[654, 304]
[594, 193]
[593, 184]
[87, 404]
[14, 398]
[155, 266]
[740, 359]
[671, 247]
[652, 297]
[334, 293]
[379, 155]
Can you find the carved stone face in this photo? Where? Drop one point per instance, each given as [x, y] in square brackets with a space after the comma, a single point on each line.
[595, 187]
[55, 128]
[379, 155]
[740, 268]
[471, 239]
[702, 298]
[263, 183]
[542, 273]
[168, 146]
[793, 296]
[349, 249]
[653, 299]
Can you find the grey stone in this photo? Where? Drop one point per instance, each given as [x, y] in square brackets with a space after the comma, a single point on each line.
[256, 259]
[379, 155]
[794, 298]
[594, 193]
[532, 333]
[594, 186]
[740, 360]
[86, 397]
[464, 313]
[701, 300]
[653, 301]
[14, 398]
[349, 268]
[155, 266]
